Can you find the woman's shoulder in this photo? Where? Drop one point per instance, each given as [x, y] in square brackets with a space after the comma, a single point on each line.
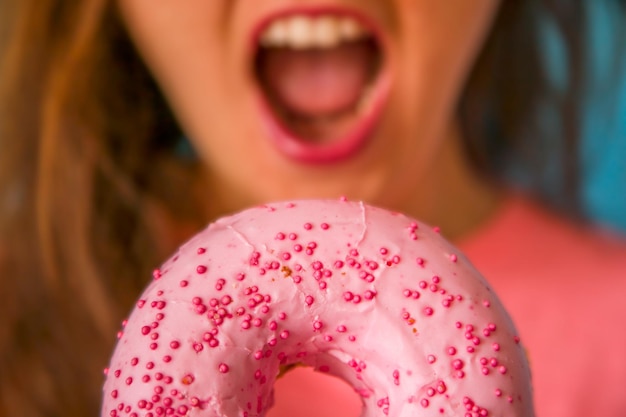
[562, 282]
[527, 236]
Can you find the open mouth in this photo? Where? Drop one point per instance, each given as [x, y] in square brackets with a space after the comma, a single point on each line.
[322, 84]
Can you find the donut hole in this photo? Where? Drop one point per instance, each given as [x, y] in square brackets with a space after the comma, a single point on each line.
[303, 392]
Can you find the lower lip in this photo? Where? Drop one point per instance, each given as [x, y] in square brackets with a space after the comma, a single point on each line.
[337, 149]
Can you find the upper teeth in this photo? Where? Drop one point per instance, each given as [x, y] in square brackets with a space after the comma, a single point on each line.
[301, 32]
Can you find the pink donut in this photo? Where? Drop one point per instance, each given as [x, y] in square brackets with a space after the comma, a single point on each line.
[373, 297]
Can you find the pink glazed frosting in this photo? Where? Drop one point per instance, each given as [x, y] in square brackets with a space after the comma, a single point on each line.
[373, 297]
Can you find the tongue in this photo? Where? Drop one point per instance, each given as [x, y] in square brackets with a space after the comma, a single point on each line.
[317, 82]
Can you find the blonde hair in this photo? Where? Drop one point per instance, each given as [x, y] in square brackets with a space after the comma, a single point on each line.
[79, 173]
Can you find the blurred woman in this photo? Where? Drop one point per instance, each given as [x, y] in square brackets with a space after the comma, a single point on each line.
[126, 126]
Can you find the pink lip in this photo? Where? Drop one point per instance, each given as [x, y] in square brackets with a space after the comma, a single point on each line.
[345, 146]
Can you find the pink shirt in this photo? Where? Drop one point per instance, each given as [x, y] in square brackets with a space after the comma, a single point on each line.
[564, 286]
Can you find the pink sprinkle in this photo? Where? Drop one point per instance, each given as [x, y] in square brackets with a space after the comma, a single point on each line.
[453, 257]
[309, 300]
[201, 269]
[308, 226]
[325, 226]
[223, 368]
[369, 294]
[441, 387]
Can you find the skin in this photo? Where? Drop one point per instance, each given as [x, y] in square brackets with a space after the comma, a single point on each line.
[199, 53]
